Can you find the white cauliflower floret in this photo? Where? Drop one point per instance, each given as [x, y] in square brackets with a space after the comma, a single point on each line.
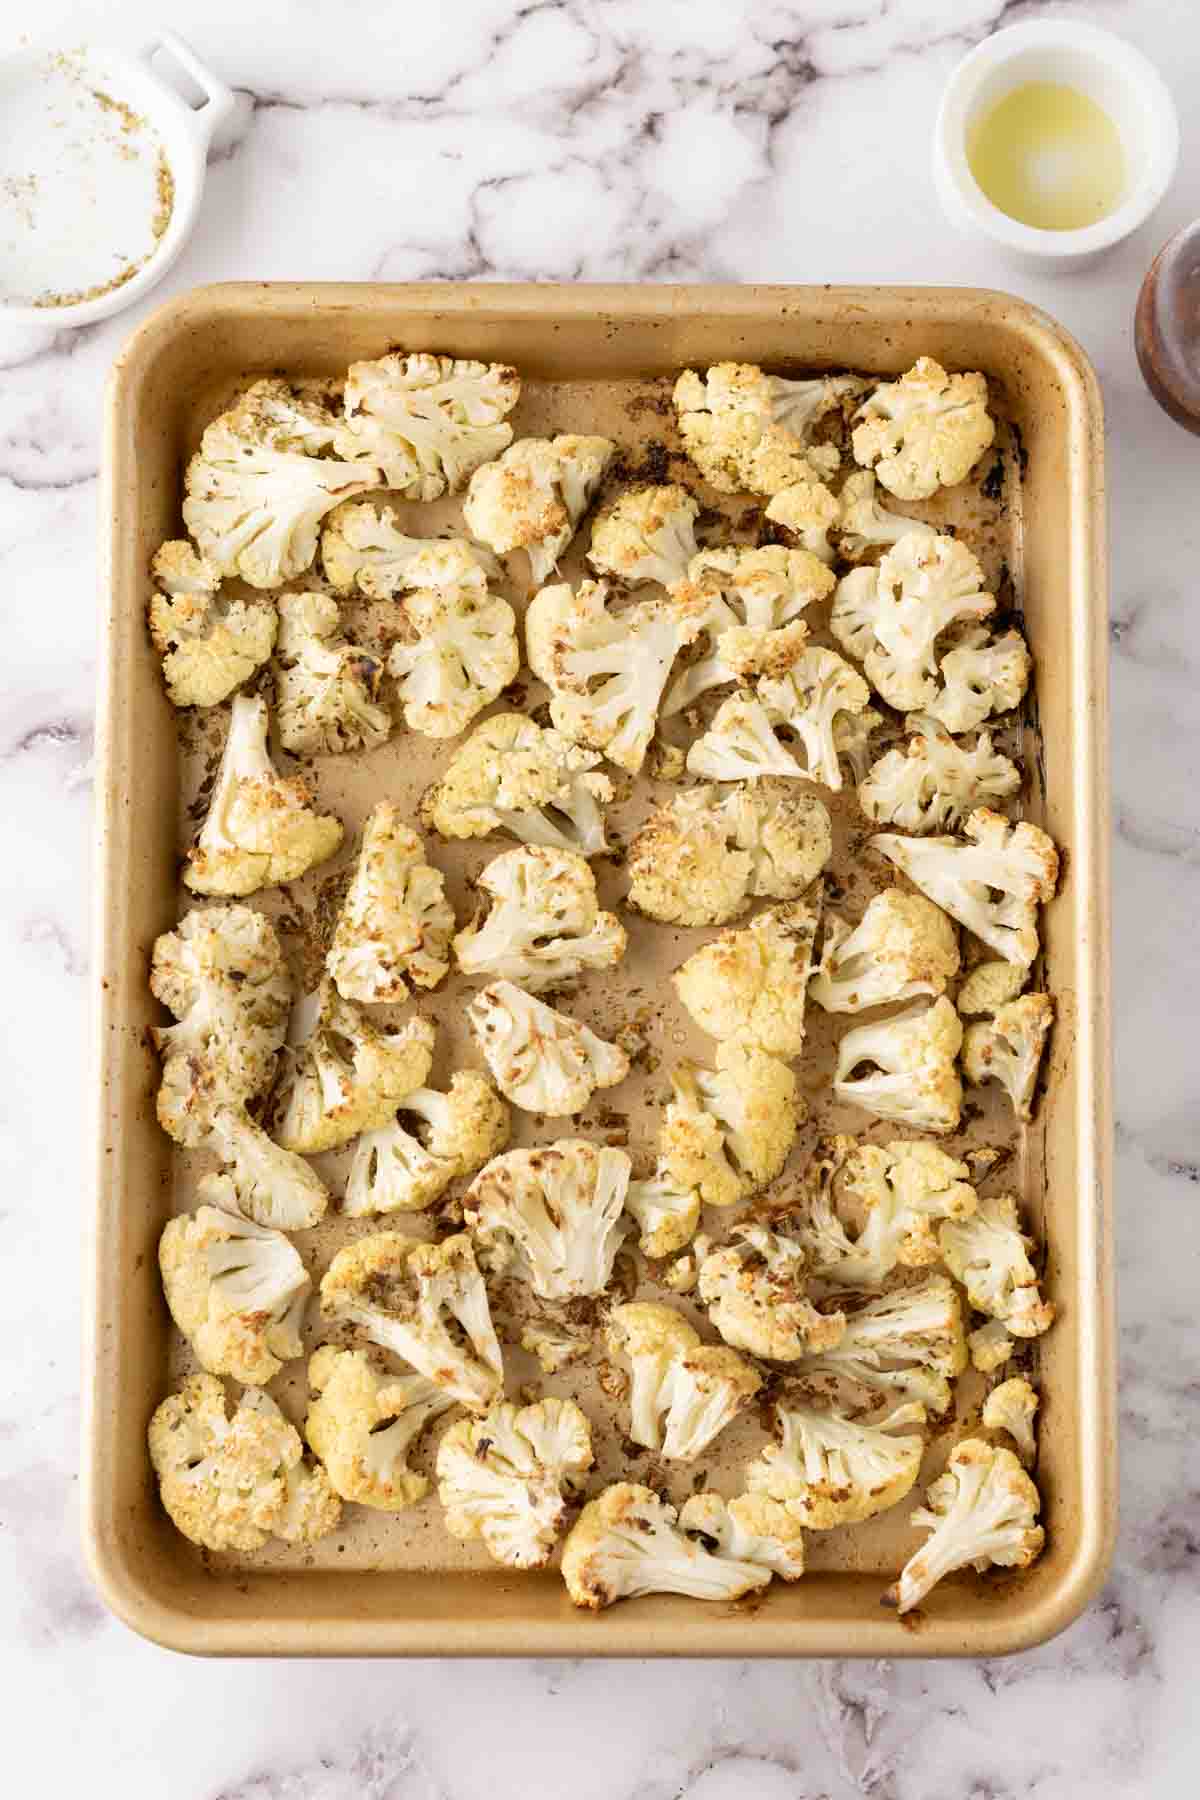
[992, 883]
[512, 775]
[362, 1424]
[462, 655]
[427, 421]
[553, 1214]
[221, 973]
[989, 986]
[863, 524]
[926, 430]
[935, 782]
[327, 689]
[990, 1347]
[683, 1392]
[362, 548]
[749, 602]
[261, 828]
[910, 1073]
[902, 947]
[746, 430]
[1012, 1407]
[806, 511]
[982, 1511]
[230, 1484]
[740, 745]
[989, 1254]
[209, 645]
[908, 1343]
[270, 1185]
[398, 1170]
[509, 1476]
[236, 1291]
[755, 1290]
[648, 534]
[626, 1543]
[750, 1528]
[533, 497]
[818, 692]
[1008, 1048]
[828, 1470]
[728, 1132]
[901, 1190]
[666, 1214]
[347, 1075]
[258, 487]
[427, 1304]
[544, 926]
[750, 985]
[981, 676]
[540, 1059]
[606, 670]
[395, 924]
[702, 858]
[891, 617]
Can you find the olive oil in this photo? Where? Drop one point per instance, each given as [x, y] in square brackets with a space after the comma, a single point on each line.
[1048, 156]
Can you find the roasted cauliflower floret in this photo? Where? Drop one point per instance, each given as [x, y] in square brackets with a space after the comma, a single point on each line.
[261, 829]
[981, 676]
[935, 782]
[461, 655]
[910, 1073]
[1012, 1407]
[892, 617]
[750, 1528]
[702, 858]
[270, 1185]
[666, 1214]
[925, 431]
[509, 1477]
[327, 689]
[626, 1543]
[398, 1170]
[541, 1060]
[740, 745]
[901, 1191]
[683, 1392]
[553, 1215]
[647, 534]
[902, 947]
[1008, 1048]
[533, 497]
[259, 486]
[750, 604]
[990, 1347]
[864, 525]
[209, 645]
[544, 926]
[982, 1511]
[749, 986]
[804, 512]
[828, 1470]
[427, 421]
[989, 986]
[236, 1291]
[347, 1075]
[427, 1304]
[362, 1424]
[364, 550]
[908, 1344]
[989, 1254]
[512, 775]
[755, 1291]
[395, 924]
[728, 1131]
[746, 430]
[818, 693]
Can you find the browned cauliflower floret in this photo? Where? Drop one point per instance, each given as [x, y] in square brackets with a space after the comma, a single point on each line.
[728, 1132]
[829, 1470]
[982, 1511]
[749, 603]
[362, 1424]
[908, 1067]
[989, 986]
[1012, 1407]
[683, 1393]
[756, 1291]
[544, 926]
[362, 548]
[746, 430]
[427, 421]
[512, 775]
[541, 1060]
[460, 654]
[509, 1477]
[989, 1254]
[907, 1345]
[627, 1542]
[702, 858]
[935, 782]
[534, 495]
[749, 986]
[749, 1528]
[398, 1169]
[395, 924]
[553, 1215]
[926, 430]
[902, 947]
[900, 1191]
[347, 1075]
[209, 645]
[647, 534]
[327, 689]
[1008, 1048]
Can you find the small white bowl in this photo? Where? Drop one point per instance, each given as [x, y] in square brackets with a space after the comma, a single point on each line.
[77, 193]
[1095, 62]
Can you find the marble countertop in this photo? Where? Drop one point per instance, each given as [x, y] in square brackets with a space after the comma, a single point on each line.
[642, 140]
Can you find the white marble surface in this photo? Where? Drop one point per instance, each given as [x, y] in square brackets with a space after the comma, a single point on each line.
[781, 140]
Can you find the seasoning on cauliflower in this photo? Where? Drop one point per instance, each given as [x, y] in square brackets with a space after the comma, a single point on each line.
[990, 1347]
[272, 1186]
[509, 1477]
[864, 525]
[989, 986]
[728, 1132]
[427, 1304]
[750, 602]
[935, 782]
[221, 973]
[750, 1528]
[398, 1170]
[395, 924]
[209, 645]
[819, 691]
[362, 1424]
[1008, 1048]
[533, 497]
[347, 1075]
[236, 1291]
[804, 512]
[461, 655]
[926, 430]
[910, 1074]
[541, 1060]
[907, 1343]
[991, 883]
[665, 1213]
[626, 1543]
[683, 1392]
[606, 670]
[740, 745]
[647, 534]
[512, 775]
[428, 421]
[553, 1215]
[755, 1291]
[259, 486]
[702, 858]
[749, 986]
[327, 689]
[981, 675]
[363, 549]
[903, 946]
[901, 1192]
[746, 430]
[544, 926]
[982, 1511]
[891, 616]
[989, 1254]
[828, 1470]
[261, 828]
[230, 1484]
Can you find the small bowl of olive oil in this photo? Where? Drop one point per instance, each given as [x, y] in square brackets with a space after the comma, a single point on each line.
[1054, 140]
